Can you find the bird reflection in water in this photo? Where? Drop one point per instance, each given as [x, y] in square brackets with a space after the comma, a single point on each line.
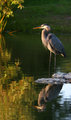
[47, 94]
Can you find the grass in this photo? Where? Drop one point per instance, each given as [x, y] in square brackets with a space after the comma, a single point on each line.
[56, 14]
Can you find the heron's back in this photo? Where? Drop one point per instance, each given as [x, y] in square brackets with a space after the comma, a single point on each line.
[56, 45]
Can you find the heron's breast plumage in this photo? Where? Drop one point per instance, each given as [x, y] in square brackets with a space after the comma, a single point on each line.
[44, 38]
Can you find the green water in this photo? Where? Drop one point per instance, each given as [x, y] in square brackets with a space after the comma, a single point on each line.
[23, 59]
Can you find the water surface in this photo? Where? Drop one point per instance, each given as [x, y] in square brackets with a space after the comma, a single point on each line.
[23, 59]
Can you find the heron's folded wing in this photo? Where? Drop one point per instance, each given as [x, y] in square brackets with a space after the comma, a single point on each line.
[55, 43]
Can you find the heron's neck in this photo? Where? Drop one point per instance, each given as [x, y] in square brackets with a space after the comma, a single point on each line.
[44, 37]
[45, 33]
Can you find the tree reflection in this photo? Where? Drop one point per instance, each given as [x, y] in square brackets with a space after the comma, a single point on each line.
[47, 94]
[15, 88]
[8, 71]
[16, 101]
[5, 57]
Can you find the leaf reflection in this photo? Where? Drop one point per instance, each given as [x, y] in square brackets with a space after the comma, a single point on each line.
[15, 88]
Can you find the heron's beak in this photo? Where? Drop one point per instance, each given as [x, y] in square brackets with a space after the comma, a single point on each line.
[36, 27]
[40, 107]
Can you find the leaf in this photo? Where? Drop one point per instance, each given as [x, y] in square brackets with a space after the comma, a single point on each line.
[7, 7]
[20, 6]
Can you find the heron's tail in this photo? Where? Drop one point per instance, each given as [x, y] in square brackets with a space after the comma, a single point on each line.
[63, 54]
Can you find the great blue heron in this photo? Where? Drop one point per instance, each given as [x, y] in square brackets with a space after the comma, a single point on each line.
[50, 41]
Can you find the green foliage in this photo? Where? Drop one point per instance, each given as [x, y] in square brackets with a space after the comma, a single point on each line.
[7, 8]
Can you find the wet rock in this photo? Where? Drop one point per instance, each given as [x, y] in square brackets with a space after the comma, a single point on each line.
[50, 80]
[57, 78]
[59, 75]
[66, 76]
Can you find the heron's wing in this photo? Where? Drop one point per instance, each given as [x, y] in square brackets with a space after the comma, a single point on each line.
[56, 44]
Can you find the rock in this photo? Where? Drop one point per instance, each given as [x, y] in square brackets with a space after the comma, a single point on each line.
[59, 75]
[57, 78]
[50, 80]
[68, 76]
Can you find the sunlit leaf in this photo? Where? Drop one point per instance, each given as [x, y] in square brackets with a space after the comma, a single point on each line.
[20, 6]
[7, 9]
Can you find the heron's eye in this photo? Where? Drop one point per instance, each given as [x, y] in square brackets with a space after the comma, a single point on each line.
[42, 25]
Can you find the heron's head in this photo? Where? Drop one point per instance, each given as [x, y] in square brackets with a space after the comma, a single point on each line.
[43, 26]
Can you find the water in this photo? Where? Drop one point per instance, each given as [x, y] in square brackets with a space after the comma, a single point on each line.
[23, 59]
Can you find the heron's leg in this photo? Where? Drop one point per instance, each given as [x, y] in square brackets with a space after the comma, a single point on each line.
[50, 62]
[50, 57]
[55, 62]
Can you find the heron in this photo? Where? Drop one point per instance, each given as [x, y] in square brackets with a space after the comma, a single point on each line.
[51, 41]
